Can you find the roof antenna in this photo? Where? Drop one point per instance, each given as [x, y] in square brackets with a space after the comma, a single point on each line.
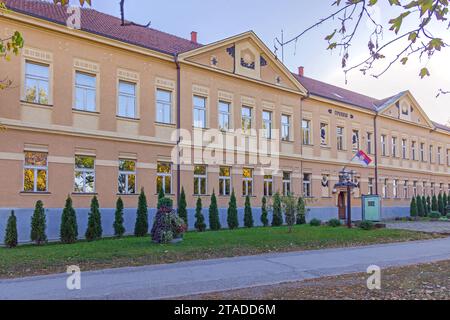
[122, 15]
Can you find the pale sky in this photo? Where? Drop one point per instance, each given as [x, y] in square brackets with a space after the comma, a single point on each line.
[215, 20]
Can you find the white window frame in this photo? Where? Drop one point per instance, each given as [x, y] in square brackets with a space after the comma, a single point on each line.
[165, 105]
[413, 150]
[340, 138]
[394, 147]
[200, 110]
[247, 181]
[287, 183]
[84, 172]
[129, 97]
[200, 178]
[268, 185]
[406, 189]
[224, 115]
[395, 189]
[39, 79]
[355, 140]
[285, 127]
[223, 182]
[383, 145]
[404, 149]
[324, 126]
[35, 173]
[163, 175]
[306, 132]
[415, 188]
[267, 124]
[439, 155]
[385, 190]
[369, 142]
[370, 185]
[127, 175]
[307, 185]
[85, 89]
[246, 119]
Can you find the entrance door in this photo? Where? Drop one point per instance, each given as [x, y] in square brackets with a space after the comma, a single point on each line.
[341, 206]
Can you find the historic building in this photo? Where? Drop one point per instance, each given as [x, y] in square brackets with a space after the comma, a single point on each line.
[95, 111]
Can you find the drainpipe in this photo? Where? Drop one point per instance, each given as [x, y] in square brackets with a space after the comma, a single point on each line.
[376, 151]
[177, 63]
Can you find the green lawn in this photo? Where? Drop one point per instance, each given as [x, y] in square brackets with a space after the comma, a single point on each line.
[110, 253]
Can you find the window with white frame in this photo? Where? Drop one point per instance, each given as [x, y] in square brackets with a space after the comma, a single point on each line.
[268, 185]
[324, 134]
[37, 82]
[127, 177]
[246, 119]
[224, 116]
[385, 188]
[84, 174]
[424, 188]
[286, 183]
[35, 172]
[164, 177]
[247, 182]
[307, 185]
[199, 112]
[163, 106]
[225, 181]
[383, 145]
[127, 99]
[285, 127]
[394, 147]
[422, 151]
[441, 188]
[340, 136]
[395, 188]
[430, 154]
[448, 157]
[413, 150]
[433, 190]
[404, 151]
[369, 142]
[355, 140]
[267, 124]
[371, 186]
[415, 188]
[85, 91]
[200, 180]
[439, 155]
[306, 132]
[406, 189]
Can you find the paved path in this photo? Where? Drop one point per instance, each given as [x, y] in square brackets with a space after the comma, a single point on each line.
[181, 279]
[422, 226]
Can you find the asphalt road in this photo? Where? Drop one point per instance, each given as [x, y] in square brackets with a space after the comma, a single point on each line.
[181, 279]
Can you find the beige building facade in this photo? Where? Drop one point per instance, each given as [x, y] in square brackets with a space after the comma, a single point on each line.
[96, 113]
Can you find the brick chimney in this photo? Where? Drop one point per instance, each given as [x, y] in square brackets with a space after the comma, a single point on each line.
[301, 71]
[194, 37]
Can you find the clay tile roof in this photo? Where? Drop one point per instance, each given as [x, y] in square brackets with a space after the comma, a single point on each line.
[105, 25]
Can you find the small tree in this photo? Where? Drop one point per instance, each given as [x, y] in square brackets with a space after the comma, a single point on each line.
[200, 225]
[248, 214]
[141, 226]
[425, 206]
[290, 210]
[94, 230]
[413, 208]
[445, 199]
[38, 224]
[420, 207]
[429, 204]
[434, 204]
[301, 211]
[232, 214]
[182, 211]
[119, 229]
[69, 226]
[11, 231]
[441, 204]
[264, 214]
[277, 219]
[161, 195]
[214, 222]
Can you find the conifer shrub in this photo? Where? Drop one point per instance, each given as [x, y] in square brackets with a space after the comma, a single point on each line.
[232, 213]
[200, 224]
[413, 211]
[264, 213]
[38, 224]
[301, 211]
[277, 219]
[119, 229]
[141, 225]
[182, 207]
[248, 214]
[214, 222]
[69, 226]
[315, 223]
[11, 237]
[94, 230]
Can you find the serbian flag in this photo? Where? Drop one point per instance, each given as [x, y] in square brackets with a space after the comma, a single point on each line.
[362, 158]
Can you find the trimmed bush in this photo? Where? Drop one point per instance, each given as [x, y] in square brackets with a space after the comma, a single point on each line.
[290, 211]
[434, 204]
[441, 204]
[334, 223]
[301, 211]
[200, 225]
[445, 200]
[141, 226]
[435, 215]
[248, 214]
[165, 202]
[182, 207]
[367, 225]
[425, 206]
[264, 213]
[119, 229]
[277, 219]
[69, 226]
[94, 230]
[11, 231]
[413, 211]
[214, 222]
[420, 207]
[232, 213]
[38, 224]
[315, 223]
[429, 204]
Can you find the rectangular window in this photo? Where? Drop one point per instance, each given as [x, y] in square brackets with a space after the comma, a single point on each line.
[433, 191]
[127, 99]
[413, 150]
[268, 185]
[430, 154]
[394, 147]
[246, 118]
[225, 181]
[247, 182]
[286, 183]
[200, 180]
[385, 188]
[37, 81]
[395, 189]
[199, 112]
[422, 151]
[163, 106]
[85, 91]
[164, 177]
[371, 186]
[307, 188]
[35, 172]
[415, 189]
[441, 188]
[285, 127]
[404, 149]
[406, 189]
[324, 141]
[127, 177]
[383, 145]
[224, 116]
[439, 153]
[84, 174]
[448, 157]
[424, 188]
[369, 143]
[267, 124]
[306, 132]
[355, 140]
[340, 138]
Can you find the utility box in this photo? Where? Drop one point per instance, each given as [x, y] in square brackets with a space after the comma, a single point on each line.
[371, 208]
